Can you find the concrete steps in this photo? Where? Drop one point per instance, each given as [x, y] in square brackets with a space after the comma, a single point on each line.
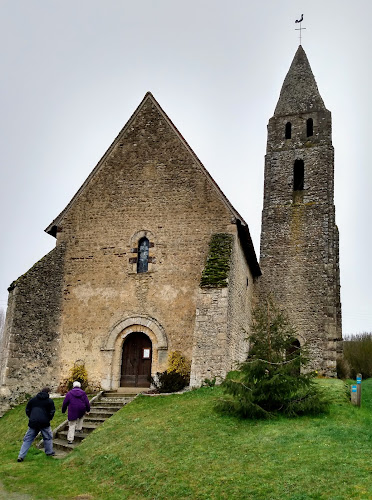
[102, 407]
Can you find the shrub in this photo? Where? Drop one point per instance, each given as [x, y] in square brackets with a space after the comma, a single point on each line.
[358, 354]
[169, 382]
[342, 368]
[270, 381]
[77, 373]
[176, 377]
[179, 364]
[209, 382]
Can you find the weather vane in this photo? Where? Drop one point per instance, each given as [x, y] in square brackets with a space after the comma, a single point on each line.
[300, 28]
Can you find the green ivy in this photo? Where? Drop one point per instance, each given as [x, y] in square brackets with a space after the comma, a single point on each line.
[216, 270]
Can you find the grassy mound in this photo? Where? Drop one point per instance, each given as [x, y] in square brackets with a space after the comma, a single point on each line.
[178, 447]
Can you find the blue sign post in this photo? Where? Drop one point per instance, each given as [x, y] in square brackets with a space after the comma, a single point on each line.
[354, 395]
[356, 391]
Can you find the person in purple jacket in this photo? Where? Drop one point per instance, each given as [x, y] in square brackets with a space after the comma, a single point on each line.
[78, 405]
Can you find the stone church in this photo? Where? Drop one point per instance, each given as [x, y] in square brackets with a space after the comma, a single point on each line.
[151, 257]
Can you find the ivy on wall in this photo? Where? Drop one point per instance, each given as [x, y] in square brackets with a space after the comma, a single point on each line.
[216, 270]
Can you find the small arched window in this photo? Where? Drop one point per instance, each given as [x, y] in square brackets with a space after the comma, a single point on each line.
[298, 175]
[309, 127]
[143, 255]
[288, 130]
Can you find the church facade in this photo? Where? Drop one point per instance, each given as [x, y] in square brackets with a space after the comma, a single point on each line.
[151, 257]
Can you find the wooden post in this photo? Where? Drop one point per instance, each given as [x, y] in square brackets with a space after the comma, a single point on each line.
[359, 388]
[356, 391]
[354, 395]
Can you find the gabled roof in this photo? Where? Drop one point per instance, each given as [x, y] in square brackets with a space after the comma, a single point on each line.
[247, 243]
[299, 92]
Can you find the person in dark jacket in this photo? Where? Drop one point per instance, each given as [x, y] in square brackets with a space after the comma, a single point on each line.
[78, 405]
[40, 411]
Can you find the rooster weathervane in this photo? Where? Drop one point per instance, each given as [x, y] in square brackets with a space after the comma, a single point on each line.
[299, 21]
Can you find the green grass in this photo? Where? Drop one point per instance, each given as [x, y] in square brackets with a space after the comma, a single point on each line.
[178, 447]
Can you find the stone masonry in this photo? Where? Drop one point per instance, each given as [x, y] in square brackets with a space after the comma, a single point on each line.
[31, 342]
[148, 184]
[86, 298]
[299, 238]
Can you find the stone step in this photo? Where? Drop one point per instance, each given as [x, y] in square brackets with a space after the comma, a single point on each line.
[95, 414]
[125, 392]
[59, 453]
[106, 407]
[62, 444]
[89, 427]
[102, 408]
[79, 436]
[117, 401]
[129, 390]
[92, 418]
[108, 404]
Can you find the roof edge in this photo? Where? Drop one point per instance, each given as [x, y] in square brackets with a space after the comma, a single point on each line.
[248, 248]
[52, 228]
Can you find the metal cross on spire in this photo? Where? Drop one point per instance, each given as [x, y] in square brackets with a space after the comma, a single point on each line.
[300, 28]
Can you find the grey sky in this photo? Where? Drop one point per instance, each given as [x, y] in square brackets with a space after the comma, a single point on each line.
[73, 72]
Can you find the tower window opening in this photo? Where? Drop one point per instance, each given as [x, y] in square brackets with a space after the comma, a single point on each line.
[288, 130]
[309, 127]
[143, 255]
[298, 175]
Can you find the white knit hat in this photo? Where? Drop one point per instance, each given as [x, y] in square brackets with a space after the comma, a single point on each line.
[76, 384]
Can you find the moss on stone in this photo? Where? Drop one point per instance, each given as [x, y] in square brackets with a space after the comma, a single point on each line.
[216, 270]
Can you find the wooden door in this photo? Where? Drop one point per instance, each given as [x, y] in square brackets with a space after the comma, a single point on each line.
[136, 361]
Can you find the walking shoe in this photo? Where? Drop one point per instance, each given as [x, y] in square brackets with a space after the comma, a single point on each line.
[51, 454]
[70, 442]
[19, 459]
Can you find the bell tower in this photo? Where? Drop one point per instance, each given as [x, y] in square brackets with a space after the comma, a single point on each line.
[299, 237]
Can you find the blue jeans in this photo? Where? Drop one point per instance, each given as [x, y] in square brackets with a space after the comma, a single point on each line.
[29, 437]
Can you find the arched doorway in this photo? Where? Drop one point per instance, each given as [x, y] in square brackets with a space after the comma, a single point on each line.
[293, 351]
[136, 361]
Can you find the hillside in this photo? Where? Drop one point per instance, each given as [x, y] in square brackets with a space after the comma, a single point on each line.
[176, 447]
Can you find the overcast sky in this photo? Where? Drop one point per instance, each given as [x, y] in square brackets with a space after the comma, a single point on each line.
[73, 72]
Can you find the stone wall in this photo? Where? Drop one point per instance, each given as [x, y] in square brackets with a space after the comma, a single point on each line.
[30, 349]
[242, 297]
[210, 357]
[223, 316]
[299, 238]
[81, 301]
[148, 184]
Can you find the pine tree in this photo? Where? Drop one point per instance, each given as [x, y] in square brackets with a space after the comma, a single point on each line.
[273, 380]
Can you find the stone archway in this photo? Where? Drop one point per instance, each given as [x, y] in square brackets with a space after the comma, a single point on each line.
[292, 352]
[113, 347]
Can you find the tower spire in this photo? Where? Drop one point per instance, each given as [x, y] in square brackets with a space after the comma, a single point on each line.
[299, 92]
